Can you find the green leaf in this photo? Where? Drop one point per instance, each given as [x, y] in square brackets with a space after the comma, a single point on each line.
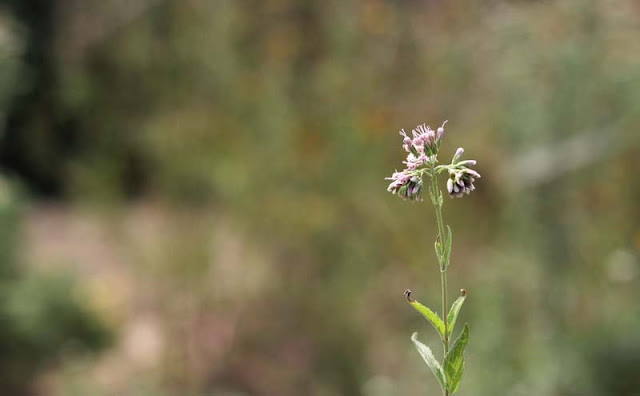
[439, 253]
[455, 309]
[431, 316]
[447, 247]
[431, 360]
[454, 361]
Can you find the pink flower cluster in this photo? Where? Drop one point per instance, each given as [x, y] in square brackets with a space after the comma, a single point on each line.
[406, 185]
[422, 150]
[423, 147]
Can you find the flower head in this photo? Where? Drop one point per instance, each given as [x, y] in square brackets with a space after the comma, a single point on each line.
[426, 140]
[406, 185]
[422, 157]
[461, 181]
[423, 145]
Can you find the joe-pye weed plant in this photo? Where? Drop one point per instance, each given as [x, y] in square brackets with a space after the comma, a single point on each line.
[422, 160]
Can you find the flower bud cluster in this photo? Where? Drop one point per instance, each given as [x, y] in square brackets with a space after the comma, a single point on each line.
[461, 177]
[422, 149]
[407, 185]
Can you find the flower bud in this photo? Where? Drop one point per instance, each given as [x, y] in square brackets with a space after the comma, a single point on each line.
[457, 155]
[461, 181]
[440, 131]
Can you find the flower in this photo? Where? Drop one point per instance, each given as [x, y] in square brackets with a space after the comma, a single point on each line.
[422, 150]
[461, 181]
[422, 147]
[406, 185]
[461, 177]
[425, 140]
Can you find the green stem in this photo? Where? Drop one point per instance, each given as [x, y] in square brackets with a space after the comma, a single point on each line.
[437, 203]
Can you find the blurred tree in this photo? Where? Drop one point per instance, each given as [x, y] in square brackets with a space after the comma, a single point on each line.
[37, 137]
[41, 319]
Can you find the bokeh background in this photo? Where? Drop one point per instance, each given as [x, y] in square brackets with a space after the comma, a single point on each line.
[192, 198]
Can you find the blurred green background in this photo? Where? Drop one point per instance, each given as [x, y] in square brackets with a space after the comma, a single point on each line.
[192, 198]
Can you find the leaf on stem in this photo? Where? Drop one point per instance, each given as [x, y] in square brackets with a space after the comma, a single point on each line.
[428, 314]
[454, 361]
[439, 252]
[431, 360]
[447, 247]
[455, 309]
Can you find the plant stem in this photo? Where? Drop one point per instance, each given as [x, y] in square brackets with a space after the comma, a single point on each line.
[437, 203]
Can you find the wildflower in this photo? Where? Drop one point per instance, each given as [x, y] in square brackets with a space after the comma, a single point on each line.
[425, 140]
[399, 179]
[406, 185]
[461, 181]
[461, 177]
[422, 149]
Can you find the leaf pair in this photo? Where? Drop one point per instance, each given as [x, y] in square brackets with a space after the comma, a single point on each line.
[433, 317]
[450, 373]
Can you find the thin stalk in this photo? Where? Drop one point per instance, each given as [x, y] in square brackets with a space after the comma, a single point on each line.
[437, 203]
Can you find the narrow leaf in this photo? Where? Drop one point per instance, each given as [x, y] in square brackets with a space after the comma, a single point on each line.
[447, 247]
[431, 316]
[455, 309]
[454, 361]
[439, 253]
[431, 360]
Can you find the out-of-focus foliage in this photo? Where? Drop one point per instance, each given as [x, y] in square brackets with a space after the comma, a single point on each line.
[40, 318]
[10, 65]
[260, 132]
